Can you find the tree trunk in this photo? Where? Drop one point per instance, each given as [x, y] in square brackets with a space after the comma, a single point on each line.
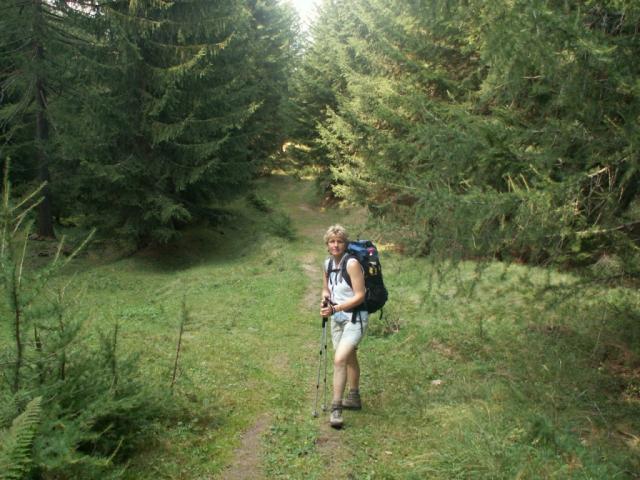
[45, 218]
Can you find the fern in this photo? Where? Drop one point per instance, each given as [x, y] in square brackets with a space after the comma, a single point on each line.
[15, 442]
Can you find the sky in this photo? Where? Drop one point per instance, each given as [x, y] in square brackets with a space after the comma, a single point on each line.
[305, 9]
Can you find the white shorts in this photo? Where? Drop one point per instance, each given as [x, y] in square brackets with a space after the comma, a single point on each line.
[349, 331]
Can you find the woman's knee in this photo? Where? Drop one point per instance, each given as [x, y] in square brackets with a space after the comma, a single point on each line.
[343, 357]
[340, 361]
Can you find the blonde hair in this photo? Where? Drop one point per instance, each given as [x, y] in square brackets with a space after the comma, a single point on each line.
[336, 231]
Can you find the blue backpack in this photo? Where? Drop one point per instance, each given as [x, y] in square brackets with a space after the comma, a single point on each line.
[367, 254]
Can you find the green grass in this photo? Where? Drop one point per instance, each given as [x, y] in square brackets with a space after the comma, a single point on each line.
[526, 389]
[478, 371]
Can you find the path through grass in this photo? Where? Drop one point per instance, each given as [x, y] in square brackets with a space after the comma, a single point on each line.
[477, 371]
[247, 369]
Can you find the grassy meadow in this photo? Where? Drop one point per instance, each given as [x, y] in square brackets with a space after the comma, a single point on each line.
[475, 371]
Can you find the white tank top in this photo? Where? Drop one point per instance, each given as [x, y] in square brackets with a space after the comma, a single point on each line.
[340, 289]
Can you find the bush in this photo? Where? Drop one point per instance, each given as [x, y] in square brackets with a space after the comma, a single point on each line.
[259, 203]
[75, 406]
[280, 225]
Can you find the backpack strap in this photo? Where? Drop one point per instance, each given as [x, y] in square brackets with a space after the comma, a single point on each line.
[345, 274]
[356, 313]
[343, 268]
[330, 270]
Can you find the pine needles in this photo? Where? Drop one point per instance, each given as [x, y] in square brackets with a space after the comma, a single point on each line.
[481, 130]
[83, 403]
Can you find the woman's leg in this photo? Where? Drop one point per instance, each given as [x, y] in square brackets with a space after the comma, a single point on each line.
[340, 361]
[353, 371]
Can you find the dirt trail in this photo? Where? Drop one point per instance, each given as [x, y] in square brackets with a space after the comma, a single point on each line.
[329, 441]
[247, 458]
[247, 461]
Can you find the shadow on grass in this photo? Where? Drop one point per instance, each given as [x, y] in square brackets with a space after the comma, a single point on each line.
[197, 246]
[200, 245]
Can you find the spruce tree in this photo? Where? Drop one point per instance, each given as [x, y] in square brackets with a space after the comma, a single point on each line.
[492, 128]
[318, 80]
[34, 36]
[177, 96]
[274, 46]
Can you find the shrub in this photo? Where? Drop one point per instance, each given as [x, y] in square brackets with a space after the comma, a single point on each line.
[87, 400]
[280, 225]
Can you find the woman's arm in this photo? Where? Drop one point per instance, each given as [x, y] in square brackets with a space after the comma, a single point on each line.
[325, 287]
[325, 306]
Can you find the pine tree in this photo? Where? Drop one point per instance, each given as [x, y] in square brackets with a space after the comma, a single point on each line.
[319, 80]
[274, 45]
[34, 37]
[93, 403]
[492, 128]
[175, 114]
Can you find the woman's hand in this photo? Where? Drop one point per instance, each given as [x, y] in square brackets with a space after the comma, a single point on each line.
[326, 309]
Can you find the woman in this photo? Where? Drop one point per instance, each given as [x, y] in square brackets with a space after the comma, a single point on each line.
[343, 296]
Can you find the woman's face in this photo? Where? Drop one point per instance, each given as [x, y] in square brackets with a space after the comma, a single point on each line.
[336, 246]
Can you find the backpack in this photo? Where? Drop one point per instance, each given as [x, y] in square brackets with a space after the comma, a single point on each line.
[367, 254]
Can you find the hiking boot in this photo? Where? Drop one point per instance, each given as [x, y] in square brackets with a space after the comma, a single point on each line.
[352, 402]
[335, 420]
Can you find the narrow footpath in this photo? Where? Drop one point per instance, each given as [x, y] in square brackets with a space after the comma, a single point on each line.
[326, 454]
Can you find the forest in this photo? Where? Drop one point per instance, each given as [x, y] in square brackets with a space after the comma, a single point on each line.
[161, 157]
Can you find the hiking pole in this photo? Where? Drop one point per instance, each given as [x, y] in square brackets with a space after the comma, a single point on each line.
[324, 398]
[323, 347]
